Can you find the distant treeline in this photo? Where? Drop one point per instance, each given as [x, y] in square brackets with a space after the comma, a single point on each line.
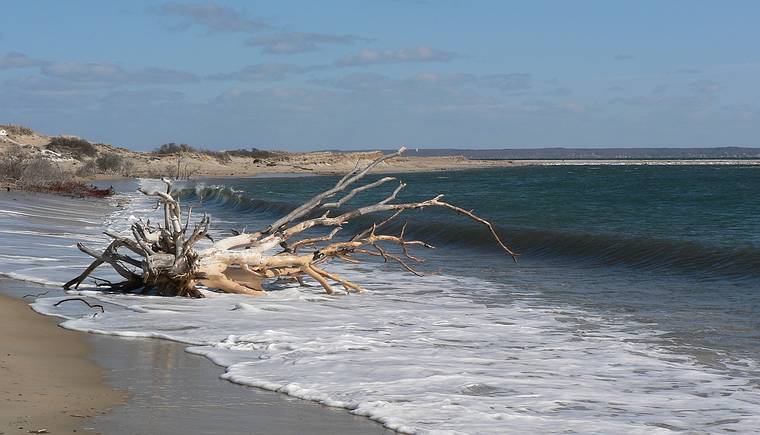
[592, 153]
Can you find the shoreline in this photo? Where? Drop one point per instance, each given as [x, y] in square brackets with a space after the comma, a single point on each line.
[174, 391]
[47, 382]
[412, 164]
[154, 372]
[157, 386]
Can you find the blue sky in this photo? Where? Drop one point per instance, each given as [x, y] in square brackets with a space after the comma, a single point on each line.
[302, 75]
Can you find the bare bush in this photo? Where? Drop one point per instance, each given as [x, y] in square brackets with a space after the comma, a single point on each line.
[73, 146]
[254, 153]
[40, 171]
[89, 169]
[22, 170]
[13, 163]
[165, 171]
[21, 167]
[110, 162]
[222, 157]
[127, 167]
[170, 148]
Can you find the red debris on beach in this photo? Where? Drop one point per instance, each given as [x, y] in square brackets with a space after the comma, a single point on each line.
[77, 188]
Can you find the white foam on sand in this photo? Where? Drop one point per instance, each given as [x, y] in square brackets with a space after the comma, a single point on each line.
[438, 354]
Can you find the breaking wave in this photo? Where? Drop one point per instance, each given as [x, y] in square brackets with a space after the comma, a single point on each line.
[661, 255]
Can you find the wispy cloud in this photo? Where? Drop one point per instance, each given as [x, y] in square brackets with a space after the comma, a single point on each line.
[703, 93]
[705, 87]
[299, 42]
[689, 97]
[15, 60]
[265, 72]
[215, 18]
[660, 89]
[558, 92]
[113, 74]
[688, 71]
[404, 55]
[219, 18]
[141, 97]
[664, 102]
[505, 82]
[743, 111]
[623, 56]
[511, 82]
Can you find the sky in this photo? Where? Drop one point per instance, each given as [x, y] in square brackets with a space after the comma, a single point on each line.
[334, 74]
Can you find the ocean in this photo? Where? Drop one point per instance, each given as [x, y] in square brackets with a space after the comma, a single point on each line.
[633, 307]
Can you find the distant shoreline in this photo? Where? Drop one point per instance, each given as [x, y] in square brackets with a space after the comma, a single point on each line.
[644, 153]
[83, 161]
[633, 162]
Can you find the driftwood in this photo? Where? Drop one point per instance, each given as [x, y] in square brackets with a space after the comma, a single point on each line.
[102, 309]
[165, 257]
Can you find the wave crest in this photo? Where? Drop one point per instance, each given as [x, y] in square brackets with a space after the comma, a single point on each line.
[660, 255]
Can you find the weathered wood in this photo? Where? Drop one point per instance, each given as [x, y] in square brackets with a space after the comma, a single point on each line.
[170, 263]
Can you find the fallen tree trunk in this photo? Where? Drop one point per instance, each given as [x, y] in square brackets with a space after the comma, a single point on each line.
[164, 257]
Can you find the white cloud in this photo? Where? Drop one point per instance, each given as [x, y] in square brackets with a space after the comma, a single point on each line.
[404, 55]
[215, 18]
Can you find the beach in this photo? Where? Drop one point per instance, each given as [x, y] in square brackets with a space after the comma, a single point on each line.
[613, 316]
[47, 381]
[100, 384]
[393, 217]
[72, 382]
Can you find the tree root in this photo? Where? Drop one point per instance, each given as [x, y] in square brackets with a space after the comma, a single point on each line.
[165, 257]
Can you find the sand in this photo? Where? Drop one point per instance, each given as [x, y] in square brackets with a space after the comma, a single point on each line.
[46, 380]
[175, 392]
[168, 390]
[195, 165]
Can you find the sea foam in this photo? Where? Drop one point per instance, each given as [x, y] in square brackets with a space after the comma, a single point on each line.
[437, 354]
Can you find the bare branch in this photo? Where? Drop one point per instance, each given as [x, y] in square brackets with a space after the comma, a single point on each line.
[102, 310]
[353, 193]
[294, 247]
[316, 201]
[171, 264]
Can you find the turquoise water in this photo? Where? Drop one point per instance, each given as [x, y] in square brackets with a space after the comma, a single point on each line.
[633, 307]
[713, 206]
[673, 246]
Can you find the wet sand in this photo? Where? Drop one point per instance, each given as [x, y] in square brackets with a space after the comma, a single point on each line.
[174, 392]
[46, 380]
[63, 374]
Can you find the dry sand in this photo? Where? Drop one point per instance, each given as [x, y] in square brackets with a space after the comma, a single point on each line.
[46, 380]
